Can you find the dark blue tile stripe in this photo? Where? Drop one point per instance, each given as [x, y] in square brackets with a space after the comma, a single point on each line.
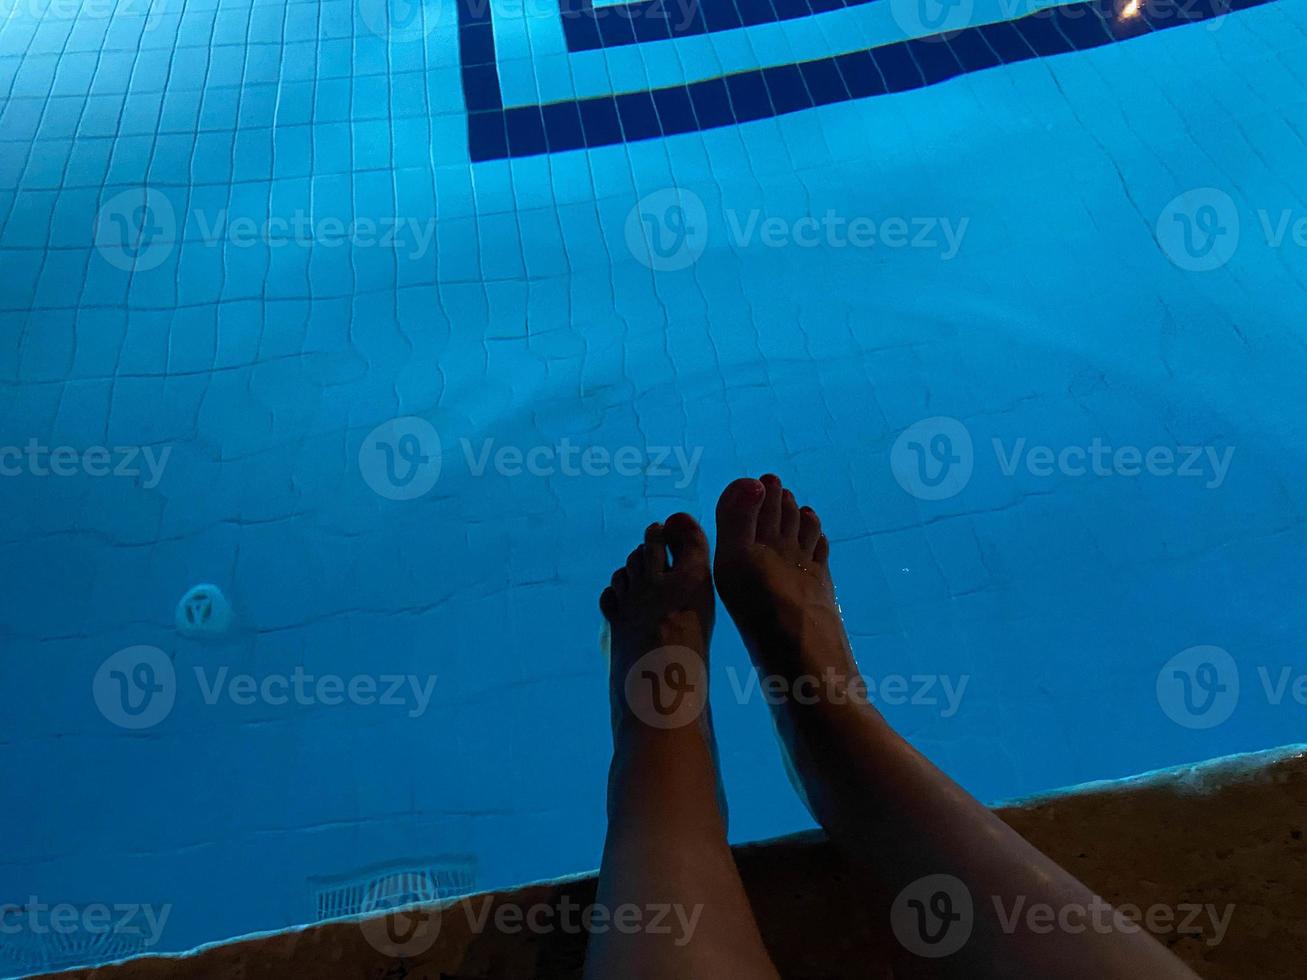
[587, 27]
[496, 132]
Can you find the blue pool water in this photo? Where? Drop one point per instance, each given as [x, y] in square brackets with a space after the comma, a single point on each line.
[347, 347]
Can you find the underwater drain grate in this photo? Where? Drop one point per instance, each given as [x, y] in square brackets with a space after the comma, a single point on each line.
[395, 885]
[203, 613]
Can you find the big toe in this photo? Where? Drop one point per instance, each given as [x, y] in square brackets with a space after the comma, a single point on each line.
[686, 541]
[737, 513]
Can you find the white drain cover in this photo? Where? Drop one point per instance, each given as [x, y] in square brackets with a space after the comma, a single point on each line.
[204, 613]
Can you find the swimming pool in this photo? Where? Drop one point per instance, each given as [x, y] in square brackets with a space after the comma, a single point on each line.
[348, 347]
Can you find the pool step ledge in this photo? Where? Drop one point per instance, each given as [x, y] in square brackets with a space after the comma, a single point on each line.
[1224, 837]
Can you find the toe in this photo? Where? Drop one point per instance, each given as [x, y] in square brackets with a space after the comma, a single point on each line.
[655, 549]
[608, 603]
[769, 517]
[636, 563]
[686, 541]
[620, 582]
[789, 516]
[809, 529]
[821, 551]
[737, 513]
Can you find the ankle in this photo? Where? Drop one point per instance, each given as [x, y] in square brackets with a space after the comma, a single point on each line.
[656, 767]
[802, 651]
[825, 716]
[636, 743]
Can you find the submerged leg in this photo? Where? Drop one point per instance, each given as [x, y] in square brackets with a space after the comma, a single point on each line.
[939, 866]
[666, 852]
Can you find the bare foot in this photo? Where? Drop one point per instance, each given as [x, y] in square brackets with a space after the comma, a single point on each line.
[772, 573]
[661, 617]
[660, 614]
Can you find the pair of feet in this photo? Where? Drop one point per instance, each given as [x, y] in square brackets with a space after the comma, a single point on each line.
[666, 841]
[771, 570]
[916, 838]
